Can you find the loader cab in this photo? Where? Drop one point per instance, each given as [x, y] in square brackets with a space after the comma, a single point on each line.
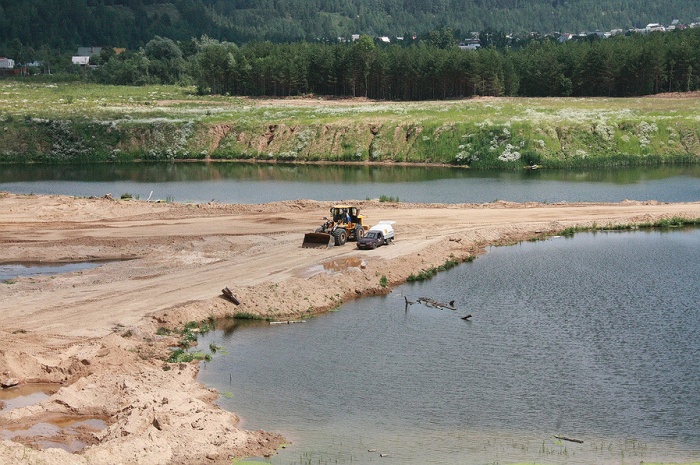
[345, 214]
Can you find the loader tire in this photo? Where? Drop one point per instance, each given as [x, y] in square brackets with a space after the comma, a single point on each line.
[341, 236]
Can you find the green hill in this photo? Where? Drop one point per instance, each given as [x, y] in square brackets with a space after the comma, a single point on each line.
[131, 23]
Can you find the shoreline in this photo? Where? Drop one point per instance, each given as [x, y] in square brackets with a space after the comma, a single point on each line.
[97, 332]
[640, 163]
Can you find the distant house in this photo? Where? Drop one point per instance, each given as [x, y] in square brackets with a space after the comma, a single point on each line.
[81, 60]
[89, 51]
[676, 25]
[470, 44]
[654, 27]
[6, 63]
[384, 39]
[566, 36]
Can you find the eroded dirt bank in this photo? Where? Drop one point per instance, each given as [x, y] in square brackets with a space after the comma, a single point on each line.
[94, 331]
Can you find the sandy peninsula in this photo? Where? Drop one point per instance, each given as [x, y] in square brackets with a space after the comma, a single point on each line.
[93, 333]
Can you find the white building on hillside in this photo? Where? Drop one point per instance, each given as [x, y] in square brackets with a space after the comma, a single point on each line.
[6, 63]
[654, 27]
[80, 60]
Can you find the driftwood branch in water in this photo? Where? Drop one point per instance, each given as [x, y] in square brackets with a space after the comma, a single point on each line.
[408, 302]
[564, 438]
[428, 302]
[230, 296]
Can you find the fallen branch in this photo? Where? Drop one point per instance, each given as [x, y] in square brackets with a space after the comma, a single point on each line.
[564, 438]
[408, 302]
[434, 303]
[230, 296]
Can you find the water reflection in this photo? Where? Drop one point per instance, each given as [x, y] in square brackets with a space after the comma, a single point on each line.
[256, 183]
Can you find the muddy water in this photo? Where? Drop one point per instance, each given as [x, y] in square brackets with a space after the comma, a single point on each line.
[334, 266]
[67, 432]
[592, 338]
[25, 395]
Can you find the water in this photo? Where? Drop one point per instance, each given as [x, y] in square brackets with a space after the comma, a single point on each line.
[593, 338]
[26, 395]
[250, 183]
[9, 271]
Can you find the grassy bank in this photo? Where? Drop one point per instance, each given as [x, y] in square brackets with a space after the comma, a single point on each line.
[69, 122]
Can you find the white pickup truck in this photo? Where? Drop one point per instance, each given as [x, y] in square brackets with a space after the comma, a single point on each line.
[380, 234]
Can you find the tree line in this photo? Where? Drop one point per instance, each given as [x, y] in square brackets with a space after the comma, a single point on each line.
[617, 67]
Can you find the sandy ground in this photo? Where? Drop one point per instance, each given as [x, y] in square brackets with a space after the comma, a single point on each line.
[94, 331]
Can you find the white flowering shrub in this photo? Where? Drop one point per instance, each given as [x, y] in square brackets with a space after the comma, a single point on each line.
[509, 155]
[465, 158]
[604, 131]
[645, 128]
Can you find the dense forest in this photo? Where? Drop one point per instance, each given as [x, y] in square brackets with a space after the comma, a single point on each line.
[67, 24]
[430, 66]
[638, 64]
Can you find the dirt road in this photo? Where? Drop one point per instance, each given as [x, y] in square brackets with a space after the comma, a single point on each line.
[165, 264]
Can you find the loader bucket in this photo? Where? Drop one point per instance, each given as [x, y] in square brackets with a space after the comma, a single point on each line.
[318, 241]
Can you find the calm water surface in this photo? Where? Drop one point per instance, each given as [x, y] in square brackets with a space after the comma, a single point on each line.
[249, 183]
[594, 338]
[16, 270]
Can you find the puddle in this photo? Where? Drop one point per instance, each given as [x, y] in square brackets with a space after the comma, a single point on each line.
[19, 270]
[334, 266]
[25, 395]
[69, 433]
[91, 423]
[40, 429]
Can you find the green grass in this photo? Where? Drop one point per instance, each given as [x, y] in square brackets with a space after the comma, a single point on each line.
[188, 337]
[247, 316]
[181, 355]
[430, 272]
[664, 223]
[80, 122]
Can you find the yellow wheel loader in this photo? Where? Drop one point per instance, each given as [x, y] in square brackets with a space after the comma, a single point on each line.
[345, 224]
